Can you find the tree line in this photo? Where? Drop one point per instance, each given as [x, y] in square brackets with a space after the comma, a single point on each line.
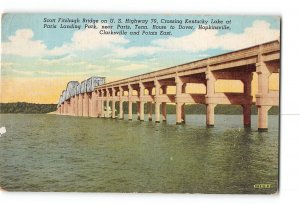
[23, 107]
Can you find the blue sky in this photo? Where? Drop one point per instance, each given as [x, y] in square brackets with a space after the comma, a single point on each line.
[30, 51]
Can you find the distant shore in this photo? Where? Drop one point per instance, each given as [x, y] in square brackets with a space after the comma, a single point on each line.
[32, 108]
[23, 107]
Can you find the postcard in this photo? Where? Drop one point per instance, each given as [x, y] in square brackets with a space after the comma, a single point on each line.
[145, 103]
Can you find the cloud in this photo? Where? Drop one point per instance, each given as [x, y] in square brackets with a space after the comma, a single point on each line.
[56, 73]
[90, 39]
[131, 67]
[22, 44]
[134, 51]
[201, 40]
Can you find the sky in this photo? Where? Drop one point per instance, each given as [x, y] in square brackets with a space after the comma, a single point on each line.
[38, 62]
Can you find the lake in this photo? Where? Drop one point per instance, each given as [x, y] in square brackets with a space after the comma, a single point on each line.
[43, 152]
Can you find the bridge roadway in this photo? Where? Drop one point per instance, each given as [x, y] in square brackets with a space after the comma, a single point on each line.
[264, 59]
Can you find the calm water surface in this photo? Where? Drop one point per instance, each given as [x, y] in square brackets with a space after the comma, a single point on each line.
[63, 153]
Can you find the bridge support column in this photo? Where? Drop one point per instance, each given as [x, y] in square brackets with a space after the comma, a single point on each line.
[142, 103]
[149, 109]
[70, 111]
[62, 109]
[164, 105]
[129, 110]
[107, 109]
[180, 88]
[247, 115]
[157, 103]
[113, 104]
[142, 114]
[138, 110]
[183, 105]
[113, 109]
[102, 106]
[85, 105]
[263, 101]
[99, 107]
[178, 113]
[164, 111]
[247, 107]
[76, 106]
[66, 108]
[107, 103]
[149, 105]
[94, 112]
[263, 118]
[121, 113]
[70, 107]
[210, 115]
[129, 102]
[80, 104]
[210, 105]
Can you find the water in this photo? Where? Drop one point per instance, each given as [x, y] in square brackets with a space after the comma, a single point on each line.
[64, 153]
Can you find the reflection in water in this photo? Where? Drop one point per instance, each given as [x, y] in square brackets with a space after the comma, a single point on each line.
[62, 153]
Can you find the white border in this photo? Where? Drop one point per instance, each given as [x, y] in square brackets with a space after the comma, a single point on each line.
[290, 100]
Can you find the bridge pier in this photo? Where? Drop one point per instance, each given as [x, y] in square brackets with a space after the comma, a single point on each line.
[157, 103]
[67, 108]
[149, 105]
[107, 102]
[138, 110]
[164, 105]
[121, 112]
[62, 109]
[263, 118]
[76, 105]
[73, 105]
[129, 102]
[180, 89]
[80, 102]
[210, 93]
[113, 109]
[102, 103]
[129, 110]
[94, 109]
[264, 98]
[247, 115]
[85, 105]
[149, 109]
[210, 115]
[142, 103]
[70, 108]
[113, 104]
[247, 80]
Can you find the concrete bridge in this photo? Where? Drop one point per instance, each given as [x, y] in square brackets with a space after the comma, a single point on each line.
[149, 88]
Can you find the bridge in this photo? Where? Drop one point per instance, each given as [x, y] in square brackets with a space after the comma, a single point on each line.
[92, 97]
